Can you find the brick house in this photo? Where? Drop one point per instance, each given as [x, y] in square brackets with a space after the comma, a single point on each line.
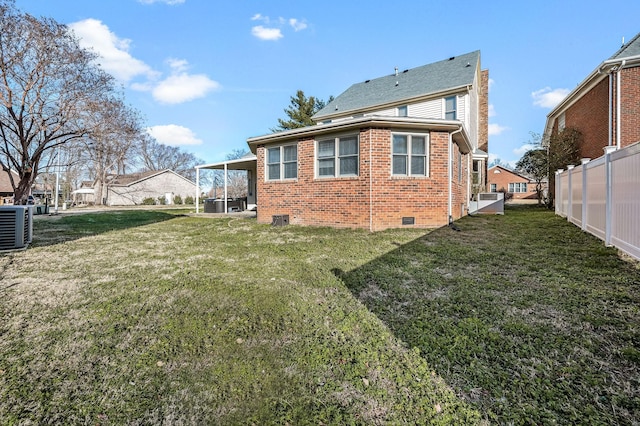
[520, 186]
[605, 107]
[406, 149]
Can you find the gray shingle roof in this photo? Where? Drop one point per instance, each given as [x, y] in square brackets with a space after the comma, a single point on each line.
[412, 83]
[632, 48]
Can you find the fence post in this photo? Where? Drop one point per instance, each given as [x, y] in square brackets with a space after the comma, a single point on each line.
[569, 193]
[608, 193]
[584, 162]
[559, 194]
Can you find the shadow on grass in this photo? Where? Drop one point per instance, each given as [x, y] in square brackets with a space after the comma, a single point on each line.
[50, 230]
[524, 315]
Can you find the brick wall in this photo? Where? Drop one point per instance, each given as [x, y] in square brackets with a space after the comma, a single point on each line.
[590, 115]
[630, 106]
[483, 124]
[374, 200]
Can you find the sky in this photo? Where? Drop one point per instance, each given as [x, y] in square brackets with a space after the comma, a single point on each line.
[207, 74]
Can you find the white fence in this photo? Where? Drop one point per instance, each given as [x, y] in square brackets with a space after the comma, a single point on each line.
[603, 197]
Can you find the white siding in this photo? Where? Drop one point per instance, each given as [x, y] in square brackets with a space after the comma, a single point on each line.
[428, 109]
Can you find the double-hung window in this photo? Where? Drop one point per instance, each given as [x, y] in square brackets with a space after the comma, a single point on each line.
[518, 187]
[450, 108]
[338, 157]
[282, 162]
[409, 155]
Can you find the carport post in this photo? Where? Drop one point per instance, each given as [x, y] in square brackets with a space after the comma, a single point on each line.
[197, 190]
[225, 187]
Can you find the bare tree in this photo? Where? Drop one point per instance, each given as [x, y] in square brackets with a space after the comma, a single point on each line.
[115, 128]
[47, 82]
[156, 156]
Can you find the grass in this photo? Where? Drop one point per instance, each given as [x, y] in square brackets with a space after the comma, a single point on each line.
[147, 317]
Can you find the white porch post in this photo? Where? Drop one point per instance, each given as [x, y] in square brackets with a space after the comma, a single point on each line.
[197, 190]
[225, 188]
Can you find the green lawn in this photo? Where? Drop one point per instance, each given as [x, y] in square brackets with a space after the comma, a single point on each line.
[149, 317]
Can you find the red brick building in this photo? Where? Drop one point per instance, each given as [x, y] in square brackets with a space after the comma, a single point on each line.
[399, 150]
[605, 107]
[520, 186]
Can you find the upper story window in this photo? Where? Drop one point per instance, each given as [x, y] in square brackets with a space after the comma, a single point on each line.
[409, 155]
[282, 162]
[402, 111]
[561, 122]
[450, 108]
[494, 187]
[338, 157]
[518, 187]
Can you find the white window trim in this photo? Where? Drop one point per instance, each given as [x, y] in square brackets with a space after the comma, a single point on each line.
[427, 150]
[282, 162]
[406, 111]
[336, 157]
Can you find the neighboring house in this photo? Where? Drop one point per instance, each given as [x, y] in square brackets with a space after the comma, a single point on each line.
[522, 187]
[6, 189]
[605, 107]
[85, 194]
[394, 151]
[133, 189]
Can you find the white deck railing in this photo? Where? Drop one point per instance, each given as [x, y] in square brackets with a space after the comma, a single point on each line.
[602, 197]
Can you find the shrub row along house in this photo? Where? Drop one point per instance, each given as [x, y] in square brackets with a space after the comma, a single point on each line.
[406, 149]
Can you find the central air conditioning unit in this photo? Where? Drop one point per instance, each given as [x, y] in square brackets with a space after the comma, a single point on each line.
[16, 227]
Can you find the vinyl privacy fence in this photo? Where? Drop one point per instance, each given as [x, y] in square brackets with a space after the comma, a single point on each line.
[602, 197]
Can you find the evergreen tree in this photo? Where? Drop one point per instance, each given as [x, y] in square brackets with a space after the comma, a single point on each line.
[300, 112]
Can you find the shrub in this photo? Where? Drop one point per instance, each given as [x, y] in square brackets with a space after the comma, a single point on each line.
[162, 200]
[177, 199]
[149, 201]
[188, 199]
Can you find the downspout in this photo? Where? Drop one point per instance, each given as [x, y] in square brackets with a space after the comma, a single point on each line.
[610, 109]
[197, 190]
[618, 89]
[450, 176]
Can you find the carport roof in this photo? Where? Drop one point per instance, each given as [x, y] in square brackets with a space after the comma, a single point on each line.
[248, 162]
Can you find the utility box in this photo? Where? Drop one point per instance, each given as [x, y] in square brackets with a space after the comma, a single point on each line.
[280, 219]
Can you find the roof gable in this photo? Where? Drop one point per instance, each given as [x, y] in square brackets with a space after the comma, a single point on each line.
[632, 48]
[131, 179]
[458, 71]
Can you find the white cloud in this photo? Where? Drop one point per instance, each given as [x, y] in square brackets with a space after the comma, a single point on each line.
[272, 28]
[520, 151]
[297, 25]
[114, 52]
[491, 83]
[174, 135]
[169, 2]
[496, 129]
[492, 111]
[548, 98]
[266, 33]
[182, 87]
